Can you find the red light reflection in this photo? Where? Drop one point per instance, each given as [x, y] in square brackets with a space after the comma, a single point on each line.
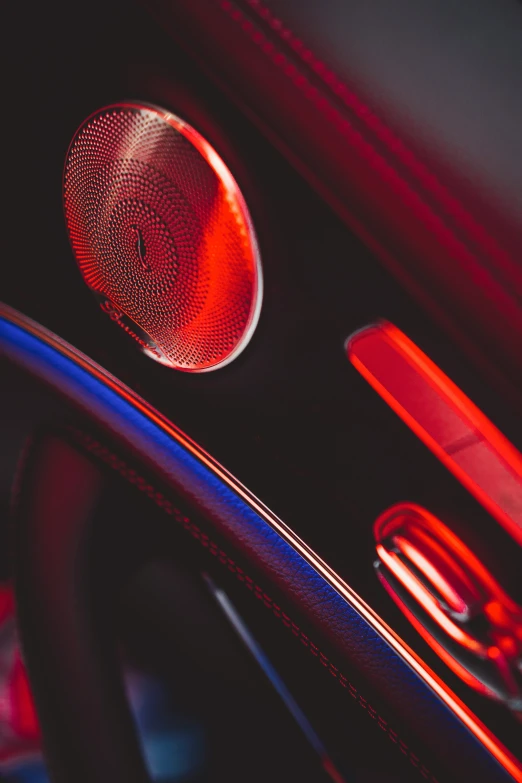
[457, 593]
[441, 415]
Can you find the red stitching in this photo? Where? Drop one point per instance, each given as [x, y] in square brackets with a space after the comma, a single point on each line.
[130, 474]
[407, 158]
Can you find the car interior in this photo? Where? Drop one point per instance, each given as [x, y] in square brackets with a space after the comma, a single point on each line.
[260, 384]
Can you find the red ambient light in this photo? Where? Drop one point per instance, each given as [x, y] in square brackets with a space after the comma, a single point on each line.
[482, 733]
[441, 415]
[452, 600]
[162, 236]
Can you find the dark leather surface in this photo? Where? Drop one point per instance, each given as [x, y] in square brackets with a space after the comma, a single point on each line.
[406, 697]
[83, 556]
[407, 117]
[87, 728]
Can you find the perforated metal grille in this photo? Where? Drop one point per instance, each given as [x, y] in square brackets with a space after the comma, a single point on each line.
[162, 235]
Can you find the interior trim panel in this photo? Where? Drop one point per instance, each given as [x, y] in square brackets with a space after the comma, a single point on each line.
[358, 636]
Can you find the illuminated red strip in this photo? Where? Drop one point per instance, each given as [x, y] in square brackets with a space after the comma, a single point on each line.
[437, 579]
[428, 603]
[441, 415]
[448, 659]
[505, 758]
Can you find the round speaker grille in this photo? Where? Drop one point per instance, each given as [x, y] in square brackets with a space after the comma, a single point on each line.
[162, 236]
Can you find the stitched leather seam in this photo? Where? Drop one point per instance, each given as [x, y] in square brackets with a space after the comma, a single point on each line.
[133, 477]
[425, 211]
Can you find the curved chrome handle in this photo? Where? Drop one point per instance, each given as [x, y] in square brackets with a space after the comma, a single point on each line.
[452, 600]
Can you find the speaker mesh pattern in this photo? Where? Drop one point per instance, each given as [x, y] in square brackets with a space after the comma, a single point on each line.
[162, 235]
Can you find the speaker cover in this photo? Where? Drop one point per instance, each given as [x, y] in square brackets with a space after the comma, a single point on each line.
[162, 236]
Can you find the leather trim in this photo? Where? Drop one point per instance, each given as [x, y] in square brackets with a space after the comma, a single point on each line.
[415, 695]
[455, 260]
[134, 477]
[410, 171]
